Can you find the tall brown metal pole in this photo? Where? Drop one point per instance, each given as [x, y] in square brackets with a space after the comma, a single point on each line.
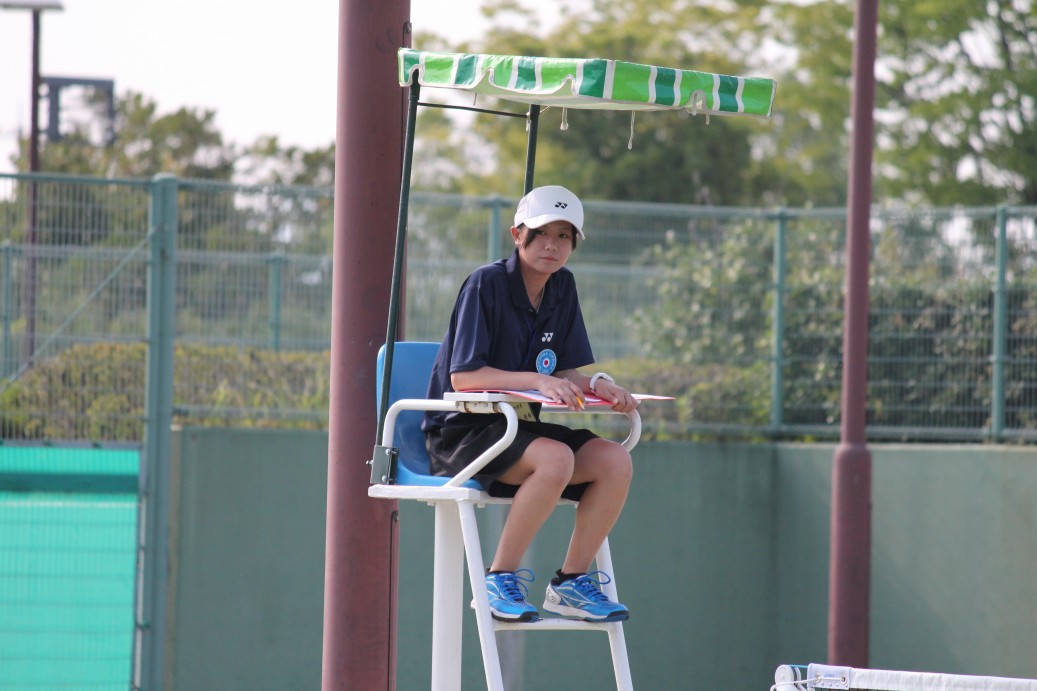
[360, 552]
[849, 576]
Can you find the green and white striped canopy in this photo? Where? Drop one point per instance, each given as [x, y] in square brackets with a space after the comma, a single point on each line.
[590, 83]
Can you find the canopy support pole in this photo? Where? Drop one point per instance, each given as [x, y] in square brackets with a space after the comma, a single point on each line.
[401, 240]
[396, 289]
[533, 124]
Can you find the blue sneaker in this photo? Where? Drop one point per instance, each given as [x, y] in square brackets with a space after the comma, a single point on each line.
[582, 598]
[507, 591]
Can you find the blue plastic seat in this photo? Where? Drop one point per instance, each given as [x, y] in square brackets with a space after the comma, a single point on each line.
[411, 367]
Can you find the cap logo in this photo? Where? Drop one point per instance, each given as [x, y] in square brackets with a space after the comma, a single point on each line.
[560, 205]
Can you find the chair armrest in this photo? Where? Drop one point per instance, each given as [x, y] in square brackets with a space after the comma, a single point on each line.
[635, 430]
[485, 403]
[498, 397]
[465, 406]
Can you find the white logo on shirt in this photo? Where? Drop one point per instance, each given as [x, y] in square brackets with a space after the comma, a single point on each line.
[548, 335]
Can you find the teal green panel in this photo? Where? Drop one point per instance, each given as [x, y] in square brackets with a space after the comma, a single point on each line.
[595, 73]
[467, 69]
[664, 86]
[248, 559]
[68, 469]
[526, 75]
[954, 557]
[66, 589]
[56, 460]
[728, 89]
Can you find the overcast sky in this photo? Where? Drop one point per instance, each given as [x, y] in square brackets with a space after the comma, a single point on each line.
[265, 68]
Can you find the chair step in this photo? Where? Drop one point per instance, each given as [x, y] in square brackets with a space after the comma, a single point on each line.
[552, 624]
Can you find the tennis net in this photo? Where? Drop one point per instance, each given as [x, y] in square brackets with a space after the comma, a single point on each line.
[816, 676]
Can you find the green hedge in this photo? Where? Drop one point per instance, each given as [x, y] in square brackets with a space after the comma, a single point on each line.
[96, 392]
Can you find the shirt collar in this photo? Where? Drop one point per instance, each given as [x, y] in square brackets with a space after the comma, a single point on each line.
[517, 286]
[515, 283]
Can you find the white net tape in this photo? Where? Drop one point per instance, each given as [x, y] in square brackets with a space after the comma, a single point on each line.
[815, 676]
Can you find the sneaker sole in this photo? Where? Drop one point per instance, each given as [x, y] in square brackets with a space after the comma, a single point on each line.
[524, 618]
[576, 613]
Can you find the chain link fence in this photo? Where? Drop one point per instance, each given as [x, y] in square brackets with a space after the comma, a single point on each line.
[737, 312]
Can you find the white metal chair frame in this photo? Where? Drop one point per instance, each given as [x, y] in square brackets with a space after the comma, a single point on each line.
[457, 537]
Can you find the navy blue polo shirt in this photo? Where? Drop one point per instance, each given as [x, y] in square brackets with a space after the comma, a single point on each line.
[494, 324]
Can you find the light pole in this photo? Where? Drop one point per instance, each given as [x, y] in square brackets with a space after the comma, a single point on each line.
[37, 7]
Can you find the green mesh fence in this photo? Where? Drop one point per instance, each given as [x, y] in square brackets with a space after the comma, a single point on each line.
[66, 568]
[738, 312]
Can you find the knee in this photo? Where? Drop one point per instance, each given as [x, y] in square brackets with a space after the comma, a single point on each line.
[617, 464]
[558, 465]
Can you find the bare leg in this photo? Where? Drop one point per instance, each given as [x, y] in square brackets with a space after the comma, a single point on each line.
[606, 465]
[543, 472]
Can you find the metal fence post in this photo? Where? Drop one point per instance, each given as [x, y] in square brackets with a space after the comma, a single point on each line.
[778, 323]
[997, 377]
[493, 236]
[274, 279]
[7, 363]
[153, 536]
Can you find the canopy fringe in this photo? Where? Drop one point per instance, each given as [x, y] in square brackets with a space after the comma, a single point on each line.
[697, 100]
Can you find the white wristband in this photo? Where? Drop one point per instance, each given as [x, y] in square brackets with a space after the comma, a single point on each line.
[600, 375]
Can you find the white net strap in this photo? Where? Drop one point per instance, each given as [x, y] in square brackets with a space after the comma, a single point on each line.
[851, 678]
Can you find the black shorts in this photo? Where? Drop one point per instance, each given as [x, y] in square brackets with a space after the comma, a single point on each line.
[451, 449]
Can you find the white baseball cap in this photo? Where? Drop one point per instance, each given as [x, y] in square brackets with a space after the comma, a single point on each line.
[550, 203]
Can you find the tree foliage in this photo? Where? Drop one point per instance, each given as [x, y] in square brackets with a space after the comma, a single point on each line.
[607, 155]
[959, 90]
[955, 105]
[186, 143]
[955, 110]
[267, 161]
